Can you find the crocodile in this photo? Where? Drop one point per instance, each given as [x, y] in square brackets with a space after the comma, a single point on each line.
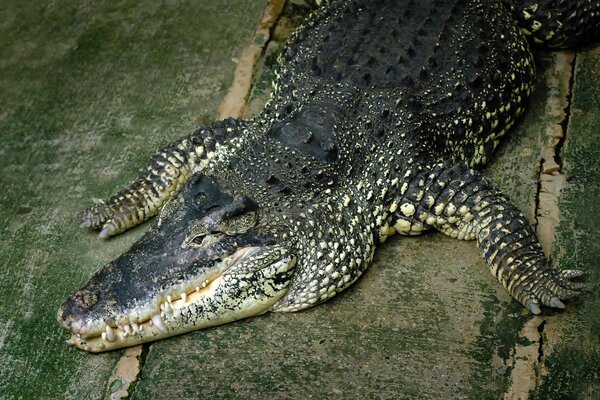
[381, 114]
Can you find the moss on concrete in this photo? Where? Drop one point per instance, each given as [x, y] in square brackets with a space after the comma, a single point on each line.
[94, 90]
[574, 364]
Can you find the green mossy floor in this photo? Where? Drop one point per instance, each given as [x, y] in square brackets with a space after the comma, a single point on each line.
[88, 91]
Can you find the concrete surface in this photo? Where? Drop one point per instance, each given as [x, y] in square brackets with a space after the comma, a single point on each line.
[89, 91]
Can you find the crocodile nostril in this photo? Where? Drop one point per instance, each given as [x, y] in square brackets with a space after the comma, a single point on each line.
[84, 299]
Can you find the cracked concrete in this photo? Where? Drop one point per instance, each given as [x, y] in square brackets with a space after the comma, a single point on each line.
[234, 103]
[524, 361]
[552, 180]
[122, 381]
[527, 357]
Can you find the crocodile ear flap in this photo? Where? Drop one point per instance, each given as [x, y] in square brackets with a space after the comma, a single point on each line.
[204, 193]
[210, 199]
[238, 206]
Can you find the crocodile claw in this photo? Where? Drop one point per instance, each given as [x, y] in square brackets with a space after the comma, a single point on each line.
[100, 216]
[551, 288]
[533, 306]
[94, 217]
[107, 231]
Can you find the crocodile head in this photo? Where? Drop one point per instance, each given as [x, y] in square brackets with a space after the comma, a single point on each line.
[210, 258]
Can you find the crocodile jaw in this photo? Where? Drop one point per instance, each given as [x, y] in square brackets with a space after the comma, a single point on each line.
[245, 290]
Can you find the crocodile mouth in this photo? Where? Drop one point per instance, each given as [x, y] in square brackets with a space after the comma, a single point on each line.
[246, 283]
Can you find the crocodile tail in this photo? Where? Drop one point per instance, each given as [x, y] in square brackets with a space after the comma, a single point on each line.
[560, 23]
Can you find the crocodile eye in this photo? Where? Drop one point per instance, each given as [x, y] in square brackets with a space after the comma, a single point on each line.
[195, 236]
[198, 239]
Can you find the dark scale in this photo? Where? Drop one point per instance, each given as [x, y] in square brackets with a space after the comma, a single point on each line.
[380, 111]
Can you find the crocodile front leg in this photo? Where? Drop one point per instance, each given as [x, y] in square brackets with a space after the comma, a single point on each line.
[462, 204]
[170, 169]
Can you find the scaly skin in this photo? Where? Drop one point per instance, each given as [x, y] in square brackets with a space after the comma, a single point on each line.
[381, 110]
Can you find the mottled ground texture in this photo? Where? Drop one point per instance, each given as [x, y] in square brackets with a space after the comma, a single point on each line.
[88, 90]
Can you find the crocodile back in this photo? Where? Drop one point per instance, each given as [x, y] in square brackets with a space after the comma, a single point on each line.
[453, 73]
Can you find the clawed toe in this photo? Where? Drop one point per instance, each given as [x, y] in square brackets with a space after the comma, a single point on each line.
[97, 217]
[533, 306]
[556, 303]
[107, 231]
[552, 289]
[93, 217]
[571, 273]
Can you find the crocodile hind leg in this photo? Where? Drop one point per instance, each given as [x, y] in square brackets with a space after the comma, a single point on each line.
[462, 204]
[170, 169]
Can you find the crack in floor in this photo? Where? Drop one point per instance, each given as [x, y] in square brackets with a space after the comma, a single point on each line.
[126, 374]
[528, 356]
[247, 64]
[540, 330]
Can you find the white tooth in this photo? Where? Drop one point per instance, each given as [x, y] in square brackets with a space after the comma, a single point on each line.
[136, 327]
[183, 296]
[127, 329]
[162, 314]
[197, 288]
[79, 335]
[110, 334]
[205, 283]
[158, 323]
[123, 335]
[162, 306]
[169, 298]
[103, 336]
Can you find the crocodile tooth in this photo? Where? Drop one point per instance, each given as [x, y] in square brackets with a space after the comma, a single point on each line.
[183, 296]
[127, 329]
[197, 288]
[136, 327]
[110, 334]
[159, 323]
[103, 335]
[169, 298]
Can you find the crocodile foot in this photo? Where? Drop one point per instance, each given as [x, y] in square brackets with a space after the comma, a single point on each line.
[548, 288]
[102, 216]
